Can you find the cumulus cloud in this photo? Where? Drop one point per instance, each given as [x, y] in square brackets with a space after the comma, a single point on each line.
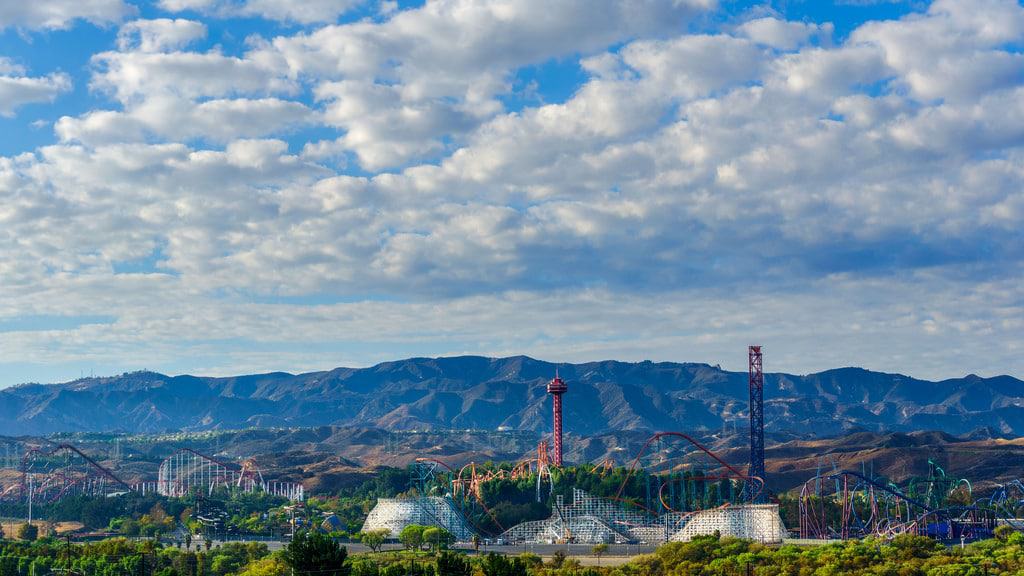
[159, 35]
[692, 190]
[783, 34]
[17, 89]
[219, 120]
[894, 325]
[957, 51]
[305, 12]
[56, 14]
[134, 75]
[437, 69]
[178, 95]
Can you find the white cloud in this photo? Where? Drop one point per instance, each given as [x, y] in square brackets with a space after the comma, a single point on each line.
[55, 14]
[437, 69]
[783, 34]
[219, 120]
[159, 35]
[956, 51]
[169, 94]
[18, 90]
[305, 12]
[8, 66]
[132, 76]
[694, 190]
[923, 325]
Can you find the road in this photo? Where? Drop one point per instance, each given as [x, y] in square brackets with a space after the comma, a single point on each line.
[580, 551]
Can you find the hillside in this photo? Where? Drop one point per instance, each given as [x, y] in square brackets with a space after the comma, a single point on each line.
[487, 393]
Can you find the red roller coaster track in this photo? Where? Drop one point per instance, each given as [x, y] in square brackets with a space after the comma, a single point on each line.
[33, 453]
[736, 474]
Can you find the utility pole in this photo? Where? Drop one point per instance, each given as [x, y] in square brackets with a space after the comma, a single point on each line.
[30, 488]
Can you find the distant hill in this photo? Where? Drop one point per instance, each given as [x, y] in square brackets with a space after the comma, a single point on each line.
[485, 393]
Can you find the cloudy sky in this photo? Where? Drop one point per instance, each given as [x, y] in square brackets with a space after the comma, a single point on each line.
[233, 186]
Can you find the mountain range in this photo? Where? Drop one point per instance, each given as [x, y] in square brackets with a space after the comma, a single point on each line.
[472, 392]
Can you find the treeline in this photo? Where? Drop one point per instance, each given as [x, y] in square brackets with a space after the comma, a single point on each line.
[120, 557]
[134, 514]
[315, 554]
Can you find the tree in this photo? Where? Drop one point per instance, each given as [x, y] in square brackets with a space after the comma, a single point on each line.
[374, 539]
[1002, 532]
[453, 564]
[315, 554]
[557, 558]
[498, 565]
[188, 540]
[28, 532]
[412, 536]
[437, 537]
[269, 566]
[476, 542]
[599, 550]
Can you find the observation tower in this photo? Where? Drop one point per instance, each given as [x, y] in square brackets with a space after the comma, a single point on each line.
[556, 388]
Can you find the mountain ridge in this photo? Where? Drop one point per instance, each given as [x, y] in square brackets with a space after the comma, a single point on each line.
[485, 393]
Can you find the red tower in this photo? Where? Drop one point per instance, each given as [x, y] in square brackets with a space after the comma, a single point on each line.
[556, 388]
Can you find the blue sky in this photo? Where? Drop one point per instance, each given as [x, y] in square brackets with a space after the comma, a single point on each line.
[233, 186]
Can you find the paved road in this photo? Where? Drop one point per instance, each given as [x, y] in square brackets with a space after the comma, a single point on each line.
[544, 550]
[623, 550]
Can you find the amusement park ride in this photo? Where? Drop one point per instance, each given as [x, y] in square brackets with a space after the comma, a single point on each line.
[48, 475]
[672, 478]
[678, 482]
[847, 504]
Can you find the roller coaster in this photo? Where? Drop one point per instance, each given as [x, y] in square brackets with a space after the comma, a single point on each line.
[672, 477]
[47, 475]
[187, 471]
[844, 504]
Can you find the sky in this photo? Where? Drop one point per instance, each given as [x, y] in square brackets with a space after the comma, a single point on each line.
[224, 187]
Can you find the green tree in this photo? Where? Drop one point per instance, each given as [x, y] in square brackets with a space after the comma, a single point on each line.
[912, 546]
[453, 564]
[437, 537]
[532, 561]
[599, 550]
[557, 558]
[314, 554]
[498, 565]
[412, 536]
[1003, 531]
[28, 532]
[365, 568]
[374, 539]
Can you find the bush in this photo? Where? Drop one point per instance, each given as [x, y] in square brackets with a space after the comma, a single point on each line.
[557, 558]
[412, 536]
[453, 564]
[316, 554]
[531, 560]
[1002, 532]
[374, 539]
[498, 565]
[28, 532]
